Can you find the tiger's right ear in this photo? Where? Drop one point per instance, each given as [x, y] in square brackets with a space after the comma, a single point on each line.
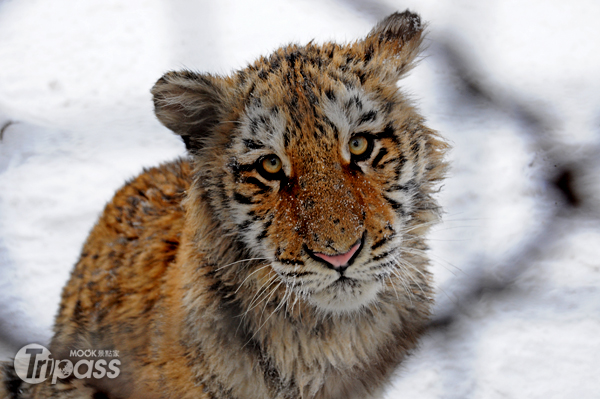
[393, 44]
[190, 104]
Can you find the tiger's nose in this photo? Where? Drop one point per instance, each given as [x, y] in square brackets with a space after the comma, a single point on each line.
[338, 262]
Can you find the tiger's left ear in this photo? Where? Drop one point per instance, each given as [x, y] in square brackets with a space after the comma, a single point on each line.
[191, 105]
[393, 44]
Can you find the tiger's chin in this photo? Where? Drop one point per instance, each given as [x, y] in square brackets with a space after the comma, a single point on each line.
[345, 295]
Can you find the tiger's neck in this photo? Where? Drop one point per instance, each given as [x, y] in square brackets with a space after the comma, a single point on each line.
[231, 324]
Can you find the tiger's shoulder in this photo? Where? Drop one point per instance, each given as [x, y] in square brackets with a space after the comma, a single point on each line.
[117, 280]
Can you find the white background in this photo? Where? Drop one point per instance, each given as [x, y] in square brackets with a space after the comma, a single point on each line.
[75, 103]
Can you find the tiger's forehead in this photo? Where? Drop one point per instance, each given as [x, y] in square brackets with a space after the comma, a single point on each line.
[307, 121]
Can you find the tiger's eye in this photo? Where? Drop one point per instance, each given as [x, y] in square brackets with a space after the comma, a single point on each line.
[272, 164]
[358, 145]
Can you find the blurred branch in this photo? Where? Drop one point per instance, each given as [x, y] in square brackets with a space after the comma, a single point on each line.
[4, 127]
[561, 170]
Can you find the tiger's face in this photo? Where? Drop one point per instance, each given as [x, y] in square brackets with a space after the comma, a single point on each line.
[315, 188]
[315, 161]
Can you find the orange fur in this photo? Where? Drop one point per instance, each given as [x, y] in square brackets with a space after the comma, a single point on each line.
[205, 273]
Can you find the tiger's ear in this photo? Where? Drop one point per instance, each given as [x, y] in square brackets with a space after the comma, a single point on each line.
[190, 104]
[393, 43]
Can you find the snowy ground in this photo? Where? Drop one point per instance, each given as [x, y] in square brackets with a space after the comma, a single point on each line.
[517, 266]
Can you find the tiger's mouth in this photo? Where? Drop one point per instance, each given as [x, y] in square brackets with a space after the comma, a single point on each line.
[336, 282]
[339, 262]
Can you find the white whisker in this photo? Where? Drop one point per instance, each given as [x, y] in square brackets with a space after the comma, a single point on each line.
[247, 277]
[259, 293]
[401, 279]
[269, 298]
[266, 303]
[240, 261]
[393, 286]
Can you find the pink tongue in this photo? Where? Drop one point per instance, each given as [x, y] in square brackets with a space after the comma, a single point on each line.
[339, 260]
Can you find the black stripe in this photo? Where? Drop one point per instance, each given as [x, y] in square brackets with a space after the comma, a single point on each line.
[265, 231]
[268, 222]
[415, 146]
[258, 183]
[245, 225]
[396, 187]
[292, 57]
[368, 117]
[237, 168]
[383, 255]
[262, 75]
[330, 95]
[298, 274]
[398, 207]
[368, 53]
[253, 127]
[409, 186]
[401, 161]
[275, 63]
[379, 156]
[270, 372]
[262, 235]
[381, 242]
[378, 266]
[395, 204]
[356, 101]
[242, 199]
[286, 137]
[252, 144]
[361, 76]
[388, 133]
[332, 126]
[290, 261]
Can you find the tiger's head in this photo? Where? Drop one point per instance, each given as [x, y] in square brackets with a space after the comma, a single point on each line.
[314, 160]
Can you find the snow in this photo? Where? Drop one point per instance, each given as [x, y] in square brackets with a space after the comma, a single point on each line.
[75, 80]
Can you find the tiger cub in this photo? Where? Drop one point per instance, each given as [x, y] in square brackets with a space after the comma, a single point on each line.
[285, 257]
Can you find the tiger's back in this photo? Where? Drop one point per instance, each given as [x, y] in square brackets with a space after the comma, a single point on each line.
[119, 277]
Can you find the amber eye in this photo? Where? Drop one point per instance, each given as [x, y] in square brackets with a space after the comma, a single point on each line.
[271, 164]
[361, 147]
[358, 145]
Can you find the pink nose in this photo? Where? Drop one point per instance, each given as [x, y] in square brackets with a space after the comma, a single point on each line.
[339, 260]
